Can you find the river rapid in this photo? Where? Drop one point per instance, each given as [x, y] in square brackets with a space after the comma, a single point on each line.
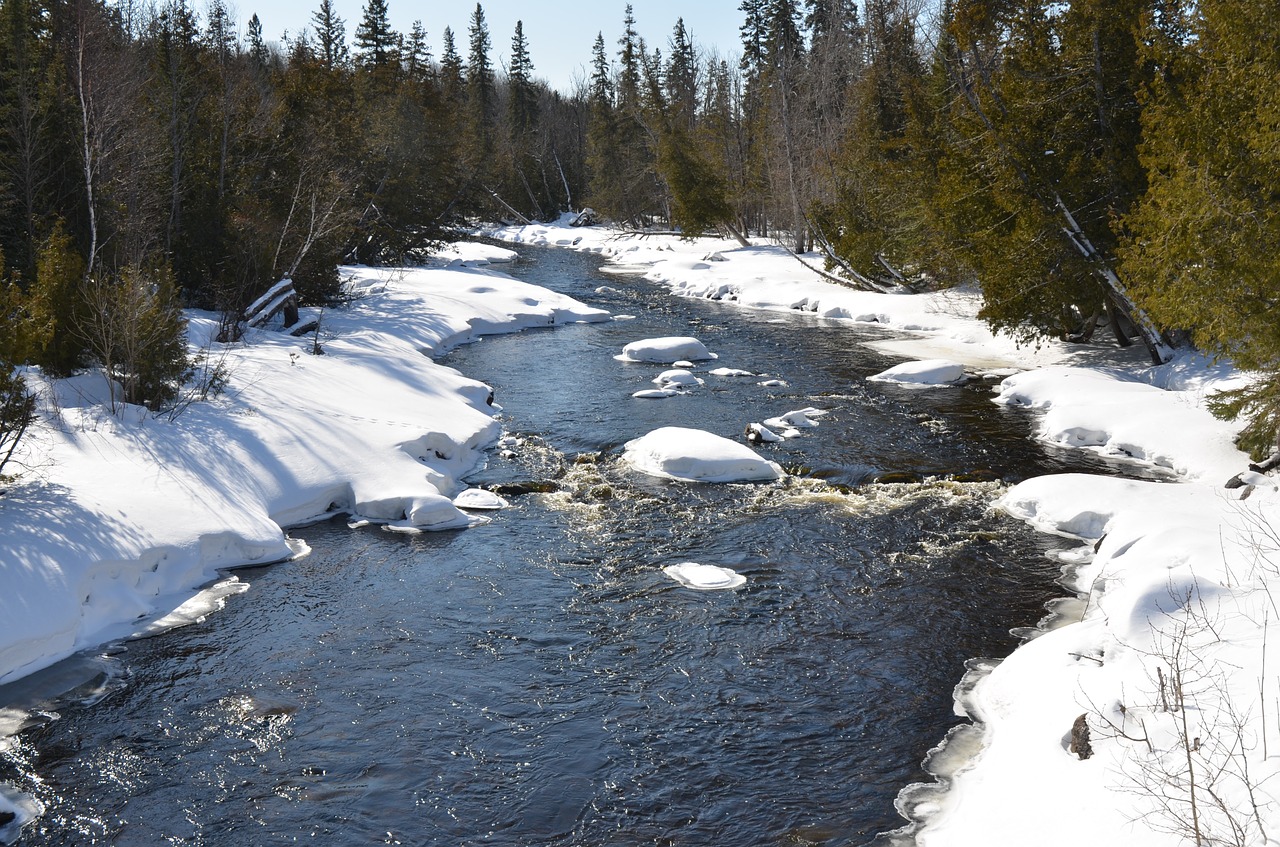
[538, 680]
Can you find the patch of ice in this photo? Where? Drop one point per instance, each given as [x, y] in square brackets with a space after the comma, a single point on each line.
[624, 317]
[704, 577]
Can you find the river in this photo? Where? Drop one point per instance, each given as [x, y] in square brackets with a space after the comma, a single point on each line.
[538, 680]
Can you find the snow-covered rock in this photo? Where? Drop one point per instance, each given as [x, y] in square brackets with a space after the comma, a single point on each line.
[797, 419]
[667, 350]
[695, 455]
[477, 499]
[704, 577]
[922, 374]
[677, 378]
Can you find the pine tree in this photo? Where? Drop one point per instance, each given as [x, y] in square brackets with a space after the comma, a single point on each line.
[257, 47]
[331, 36]
[416, 54]
[480, 92]
[376, 41]
[1047, 95]
[452, 70]
[522, 101]
[681, 77]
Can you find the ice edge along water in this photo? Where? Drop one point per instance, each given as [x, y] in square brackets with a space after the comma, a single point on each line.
[1148, 560]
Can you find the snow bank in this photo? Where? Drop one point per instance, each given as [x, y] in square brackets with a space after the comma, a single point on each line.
[120, 519]
[1120, 415]
[694, 455]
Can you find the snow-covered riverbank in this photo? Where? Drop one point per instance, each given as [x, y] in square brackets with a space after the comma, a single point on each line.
[118, 519]
[1168, 664]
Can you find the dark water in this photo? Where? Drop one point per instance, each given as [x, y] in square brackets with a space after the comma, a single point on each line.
[539, 681]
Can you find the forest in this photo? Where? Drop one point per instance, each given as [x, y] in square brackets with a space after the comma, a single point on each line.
[1098, 168]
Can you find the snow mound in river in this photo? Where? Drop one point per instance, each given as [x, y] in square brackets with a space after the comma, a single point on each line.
[677, 452]
[666, 350]
[704, 577]
[922, 374]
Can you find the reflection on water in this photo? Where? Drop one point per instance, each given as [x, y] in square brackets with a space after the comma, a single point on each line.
[539, 680]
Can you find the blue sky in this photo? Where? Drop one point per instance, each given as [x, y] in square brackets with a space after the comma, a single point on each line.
[560, 34]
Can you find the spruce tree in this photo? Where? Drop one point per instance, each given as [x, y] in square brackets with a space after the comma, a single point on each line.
[480, 94]
[331, 36]
[376, 41]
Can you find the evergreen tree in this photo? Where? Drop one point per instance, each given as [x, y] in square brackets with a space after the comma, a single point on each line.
[480, 93]
[522, 102]
[257, 47]
[452, 70]
[1203, 247]
[331, 36]
[416, 55]
[376, 41]
[681, 77]
[1048, 97]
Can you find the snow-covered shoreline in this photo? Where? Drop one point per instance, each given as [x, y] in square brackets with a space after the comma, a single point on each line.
[118, 520]
[1177, 577]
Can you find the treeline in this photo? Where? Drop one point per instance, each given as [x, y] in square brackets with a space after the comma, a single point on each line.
[1087, 163]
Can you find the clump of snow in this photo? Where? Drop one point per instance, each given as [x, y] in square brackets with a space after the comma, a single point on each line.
[761, 434]
[656, 393]
[730, 372]
[477, 499]
[773, 383]
[677, 378]
[695, 455]
[797, 419]
[922, 374]
[666, 350]
[704, 577]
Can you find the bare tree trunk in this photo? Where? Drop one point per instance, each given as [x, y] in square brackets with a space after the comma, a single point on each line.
[84, 97]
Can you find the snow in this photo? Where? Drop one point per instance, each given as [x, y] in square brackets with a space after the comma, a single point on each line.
[695, 455]
[677, 378]
[797, 419]
[1171, 573]
[665, 350]
[704, 577]
[929, 372]
[479, 500]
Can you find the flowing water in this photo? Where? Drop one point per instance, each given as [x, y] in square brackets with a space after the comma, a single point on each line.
[538, 680]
